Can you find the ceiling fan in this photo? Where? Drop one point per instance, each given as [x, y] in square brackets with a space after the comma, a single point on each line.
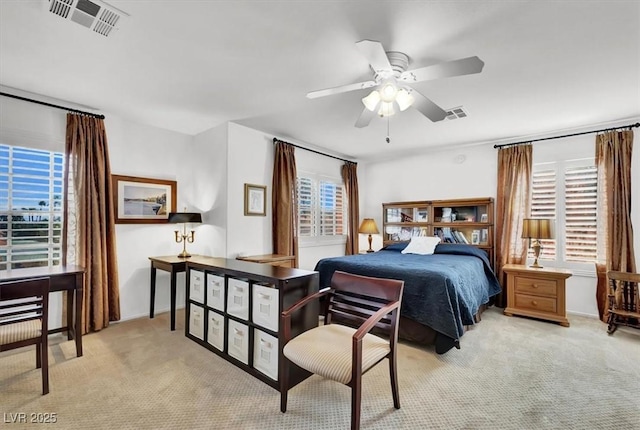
[390, 77]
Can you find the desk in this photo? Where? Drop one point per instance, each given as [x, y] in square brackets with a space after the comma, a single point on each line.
[272, 259]
[61, 278]
[172, 264]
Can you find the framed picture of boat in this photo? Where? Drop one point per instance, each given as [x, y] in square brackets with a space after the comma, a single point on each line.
[143, 200]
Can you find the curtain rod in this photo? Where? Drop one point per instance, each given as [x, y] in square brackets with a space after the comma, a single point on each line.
[637, 124]
[94, 115]
[275, 139]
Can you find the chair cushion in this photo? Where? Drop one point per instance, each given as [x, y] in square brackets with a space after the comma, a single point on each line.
[16, 332]
[326, 351]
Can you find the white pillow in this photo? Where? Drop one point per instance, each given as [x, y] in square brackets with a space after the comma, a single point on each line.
[424, 245]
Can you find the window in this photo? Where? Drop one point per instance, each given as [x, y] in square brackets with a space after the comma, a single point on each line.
[567, 192]
[31, 196]
[321, 209]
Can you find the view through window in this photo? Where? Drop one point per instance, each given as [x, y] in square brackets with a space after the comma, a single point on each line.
[31, 209]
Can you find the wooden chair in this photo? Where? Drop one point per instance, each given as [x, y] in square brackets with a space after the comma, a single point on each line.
[624, 303]
[342, 352]
[23, 320]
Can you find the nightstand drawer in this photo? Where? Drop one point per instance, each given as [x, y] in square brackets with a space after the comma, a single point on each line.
[536, 303]
[543, 287]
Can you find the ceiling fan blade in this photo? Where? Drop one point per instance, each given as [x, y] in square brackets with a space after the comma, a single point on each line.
[464, 66]
[374, 53]
[365, 118]
[341, 89]
[427, 107]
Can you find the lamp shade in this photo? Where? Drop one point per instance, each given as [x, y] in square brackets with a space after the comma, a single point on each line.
[180, 217]
[533, 228]
[368, 226]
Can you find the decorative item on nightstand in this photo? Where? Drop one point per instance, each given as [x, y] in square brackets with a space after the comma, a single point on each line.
[536, 229]
[184, 218]
[368, 226]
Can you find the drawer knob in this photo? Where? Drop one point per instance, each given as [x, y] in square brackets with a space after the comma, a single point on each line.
[535, 285]
[534, 302]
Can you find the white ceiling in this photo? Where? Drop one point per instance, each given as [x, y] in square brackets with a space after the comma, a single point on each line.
[188, 66]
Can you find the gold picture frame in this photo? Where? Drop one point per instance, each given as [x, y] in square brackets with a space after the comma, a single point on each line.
[143, 200]
[255, 200]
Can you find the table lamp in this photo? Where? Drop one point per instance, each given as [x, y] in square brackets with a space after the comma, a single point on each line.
[184, 218]
[536, 229]
[368, 226]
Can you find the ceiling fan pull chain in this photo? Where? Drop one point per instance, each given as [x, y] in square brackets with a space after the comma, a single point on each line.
[388, 139]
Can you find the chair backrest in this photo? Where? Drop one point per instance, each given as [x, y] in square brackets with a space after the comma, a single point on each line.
[624, 287]
[354, 298]
[24, 300]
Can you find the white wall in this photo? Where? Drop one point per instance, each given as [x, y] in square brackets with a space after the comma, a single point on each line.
[150, 152]
[443, 175]
[250, 160]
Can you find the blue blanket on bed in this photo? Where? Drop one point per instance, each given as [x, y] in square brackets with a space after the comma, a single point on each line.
[443, 290]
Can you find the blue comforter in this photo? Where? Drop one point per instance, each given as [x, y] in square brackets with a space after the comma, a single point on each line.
[443, 290]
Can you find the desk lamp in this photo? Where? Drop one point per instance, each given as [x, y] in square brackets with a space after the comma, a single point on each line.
[184, 218]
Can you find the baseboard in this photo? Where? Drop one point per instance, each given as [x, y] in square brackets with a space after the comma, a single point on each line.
[146, 314]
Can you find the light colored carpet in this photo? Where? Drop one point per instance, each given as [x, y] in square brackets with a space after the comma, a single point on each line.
[511, 373]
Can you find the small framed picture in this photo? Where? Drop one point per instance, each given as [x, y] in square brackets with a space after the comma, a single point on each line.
[484, 218]
[475, 237]
[255, 203]
[484, 236]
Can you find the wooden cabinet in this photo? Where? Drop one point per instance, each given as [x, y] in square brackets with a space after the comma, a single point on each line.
[467, 221]
[273, 259]
[537, 292]
[233, 309]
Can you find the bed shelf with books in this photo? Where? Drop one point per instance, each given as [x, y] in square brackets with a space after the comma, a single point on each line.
[464, 221]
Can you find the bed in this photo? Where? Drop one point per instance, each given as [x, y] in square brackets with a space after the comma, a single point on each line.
[443, 292]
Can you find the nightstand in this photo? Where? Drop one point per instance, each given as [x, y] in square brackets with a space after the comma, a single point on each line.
[537, 292]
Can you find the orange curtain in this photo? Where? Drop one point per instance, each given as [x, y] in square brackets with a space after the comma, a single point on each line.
[284, 201]
[91, 219]
[513, 203]
[350, 178]
[615, 232]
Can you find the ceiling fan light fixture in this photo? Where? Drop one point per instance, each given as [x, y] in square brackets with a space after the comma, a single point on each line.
[404, 99]
[386, 109]
[371, 101]
[388, 92]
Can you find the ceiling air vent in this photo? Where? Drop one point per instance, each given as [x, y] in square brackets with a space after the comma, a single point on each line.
[456, 112]
[95, 15]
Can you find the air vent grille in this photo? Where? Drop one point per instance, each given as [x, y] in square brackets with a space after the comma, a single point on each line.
[61, 7]
[456, 112]
[96, 15]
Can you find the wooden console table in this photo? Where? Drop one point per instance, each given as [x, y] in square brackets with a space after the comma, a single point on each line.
[61, 278]
[174, 265]
[272, 259]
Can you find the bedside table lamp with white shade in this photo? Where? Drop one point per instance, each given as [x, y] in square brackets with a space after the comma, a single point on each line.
[368, 226]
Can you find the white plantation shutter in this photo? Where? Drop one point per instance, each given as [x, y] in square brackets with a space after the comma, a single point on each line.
[567, 192]
[305, 207]
[31, 207]
[543, 205]
[581, 186]
[321, 207]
